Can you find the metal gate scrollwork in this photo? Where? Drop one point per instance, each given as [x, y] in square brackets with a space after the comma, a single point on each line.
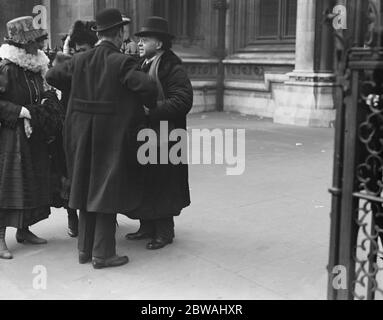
[357, 194]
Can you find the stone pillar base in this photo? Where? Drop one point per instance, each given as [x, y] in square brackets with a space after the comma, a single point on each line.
[306, 100]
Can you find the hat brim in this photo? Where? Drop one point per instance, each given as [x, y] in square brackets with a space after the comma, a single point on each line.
[14, 43]
[154, 33]
[99, 29]
[41, 35]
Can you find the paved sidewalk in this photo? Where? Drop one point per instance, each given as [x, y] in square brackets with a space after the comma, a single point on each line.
[262, 235]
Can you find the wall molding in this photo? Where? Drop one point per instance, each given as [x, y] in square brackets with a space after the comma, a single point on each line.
[311, 79]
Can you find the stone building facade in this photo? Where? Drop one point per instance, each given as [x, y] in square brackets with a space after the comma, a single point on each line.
[271, 58]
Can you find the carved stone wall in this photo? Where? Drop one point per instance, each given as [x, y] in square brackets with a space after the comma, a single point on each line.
[203, 75]
[254, 88]
[244, 72]
[201, 70]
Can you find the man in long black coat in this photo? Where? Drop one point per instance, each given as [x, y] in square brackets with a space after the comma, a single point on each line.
[167, 187]
[105, 114]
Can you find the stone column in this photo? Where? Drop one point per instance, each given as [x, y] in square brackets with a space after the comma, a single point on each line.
[47, 5]
[305, 38]
[308, 94]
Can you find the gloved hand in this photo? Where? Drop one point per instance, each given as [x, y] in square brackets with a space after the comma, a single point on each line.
[24, 113]
[28, 128]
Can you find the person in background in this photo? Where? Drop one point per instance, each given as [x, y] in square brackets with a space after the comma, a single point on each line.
[83, 38]
[29, 119]
[167, 186]
[128, 45]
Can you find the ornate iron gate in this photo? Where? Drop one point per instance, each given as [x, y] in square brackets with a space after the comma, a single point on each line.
[356, 255]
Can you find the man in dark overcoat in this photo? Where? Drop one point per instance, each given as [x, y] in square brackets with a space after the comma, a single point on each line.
[167, 186]
[105, 113]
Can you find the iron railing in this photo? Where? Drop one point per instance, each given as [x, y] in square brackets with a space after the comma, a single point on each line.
[357, 201]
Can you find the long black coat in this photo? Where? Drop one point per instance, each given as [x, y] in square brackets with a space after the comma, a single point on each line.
[166, 186]
[105, 113]
[24, 163]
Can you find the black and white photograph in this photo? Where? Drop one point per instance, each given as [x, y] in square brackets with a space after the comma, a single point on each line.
[191, 150]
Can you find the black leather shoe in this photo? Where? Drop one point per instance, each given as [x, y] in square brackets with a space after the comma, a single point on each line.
[115, 261]
[158, 243]
[26, 236]
[73, 225]
[84, 257]
[139, 235]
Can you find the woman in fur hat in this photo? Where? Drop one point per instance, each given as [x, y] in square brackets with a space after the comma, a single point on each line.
[82, 38]
[29, 120]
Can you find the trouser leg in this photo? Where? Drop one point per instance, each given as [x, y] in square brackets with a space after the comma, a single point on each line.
[72, 222]
[2, 221]
[3, 244]
[104, 246]
[2, 235]
[165, 228]
[147, 226]
[71, 212]
[3, 229]
[87, 225]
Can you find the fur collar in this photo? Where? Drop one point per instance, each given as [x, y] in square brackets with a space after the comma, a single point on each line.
[35, 63]
[168, 62]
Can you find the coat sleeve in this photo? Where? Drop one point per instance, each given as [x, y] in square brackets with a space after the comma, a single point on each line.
[179, 97]
[60, 76]
[9, 112]
[139, 82]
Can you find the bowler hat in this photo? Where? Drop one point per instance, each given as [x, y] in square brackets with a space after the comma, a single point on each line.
[107, 19]
[21, 31]
[155, 26]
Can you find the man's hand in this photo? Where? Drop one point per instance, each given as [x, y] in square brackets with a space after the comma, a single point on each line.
[28, 128]
[147, 110]
[24, 113]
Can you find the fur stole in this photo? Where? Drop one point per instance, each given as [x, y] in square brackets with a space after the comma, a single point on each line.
[35, 63]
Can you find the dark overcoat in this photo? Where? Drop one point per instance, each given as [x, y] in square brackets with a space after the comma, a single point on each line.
[105, 113]
[24, 163]
[167, 186]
